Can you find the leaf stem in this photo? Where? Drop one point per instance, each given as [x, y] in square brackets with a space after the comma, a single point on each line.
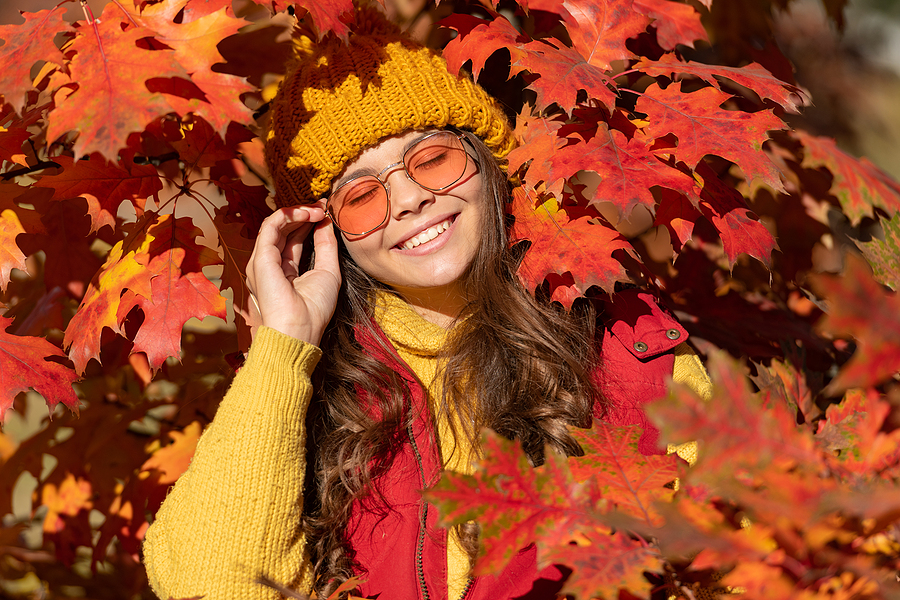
[44, 164]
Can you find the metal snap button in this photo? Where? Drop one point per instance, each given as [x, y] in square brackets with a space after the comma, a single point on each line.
[673, 334]
[640, 346]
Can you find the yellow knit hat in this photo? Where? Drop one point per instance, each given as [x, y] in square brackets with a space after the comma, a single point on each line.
[337, 99]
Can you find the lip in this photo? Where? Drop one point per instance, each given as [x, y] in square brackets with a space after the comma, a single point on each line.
[432, 244]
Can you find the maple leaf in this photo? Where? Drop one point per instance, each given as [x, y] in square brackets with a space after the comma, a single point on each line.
[675, 23]
[882, 254]
[563, 72]
[514, 503]
[478, 39]
[100, 305]
[111, 100]
[328, 15]
[752, 76]
[11, 256]
[859, 307]
[179, 289]
[13, 133]
[678, 215]
[598, 28]
[625, 476]
[604, 564]
[702, 128]
[560, 245]
[23, 46]
[194, 45]
[781, 382]
[859, 185]
[104, 185]
[173, 459]
[71, 497]
[24, 366]
[740, 232]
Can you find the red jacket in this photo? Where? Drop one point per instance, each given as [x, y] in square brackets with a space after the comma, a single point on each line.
[402, 548]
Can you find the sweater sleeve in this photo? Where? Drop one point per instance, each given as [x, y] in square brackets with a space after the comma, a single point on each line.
[235, 513]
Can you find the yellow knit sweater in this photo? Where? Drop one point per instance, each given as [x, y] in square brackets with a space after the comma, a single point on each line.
[235, 513]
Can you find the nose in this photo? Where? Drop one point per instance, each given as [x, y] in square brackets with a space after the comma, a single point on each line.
[407, 196]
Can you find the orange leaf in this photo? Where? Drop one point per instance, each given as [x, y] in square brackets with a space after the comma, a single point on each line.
[69, 499]
[11, 256]
[328, 15]
[174, 459]
[675, 23]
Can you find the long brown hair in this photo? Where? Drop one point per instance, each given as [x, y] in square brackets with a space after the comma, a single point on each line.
[533, 361]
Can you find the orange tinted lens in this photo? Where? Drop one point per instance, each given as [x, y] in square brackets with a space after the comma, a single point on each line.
[359, 205]
[437, 161]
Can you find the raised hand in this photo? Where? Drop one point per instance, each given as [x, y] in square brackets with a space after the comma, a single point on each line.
[297, 305]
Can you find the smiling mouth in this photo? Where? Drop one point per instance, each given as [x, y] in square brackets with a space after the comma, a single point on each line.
[427, 235]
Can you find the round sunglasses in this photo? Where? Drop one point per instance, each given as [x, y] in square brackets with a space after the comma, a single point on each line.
[362, 204]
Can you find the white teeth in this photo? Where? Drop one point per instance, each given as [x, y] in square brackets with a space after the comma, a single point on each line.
[427, 235]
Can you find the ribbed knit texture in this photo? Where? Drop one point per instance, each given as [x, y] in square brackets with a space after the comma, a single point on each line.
[338, 99]
[236, 512]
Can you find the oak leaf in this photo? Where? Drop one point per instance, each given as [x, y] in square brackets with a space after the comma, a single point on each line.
[859, 185]
[11, 256]
[24, 366]
[677, 214]
[104, 185]
[563, 72]
[560, 244]
[111, 100]
[627, 478]
[328, 15]
[100, 305]
[478, 39]
[675, 23]
[23, 46]
[861, 308]
[703, 127]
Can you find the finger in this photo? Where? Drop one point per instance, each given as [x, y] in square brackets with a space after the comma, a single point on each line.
[326, 245]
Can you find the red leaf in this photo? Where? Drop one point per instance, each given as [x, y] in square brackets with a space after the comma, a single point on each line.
[859, 185]
[195, 49]
[100, 305]
[882, 254]
[563, 72]
[104, 185]
[678, 215]
[702, 128]
[111, 101]
[740, 232]
[598, 28]
[752, 76]
[328, 15]
[604, 564]
[625, 476]
[675, 23]
[23, 46]
[560, 245]
[478, 40]
[859, 307]
[179, 290]
[24, 366]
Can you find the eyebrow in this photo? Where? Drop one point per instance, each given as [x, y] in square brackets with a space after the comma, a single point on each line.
[370, 171]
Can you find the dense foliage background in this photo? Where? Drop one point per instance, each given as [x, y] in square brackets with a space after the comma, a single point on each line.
[662, 143]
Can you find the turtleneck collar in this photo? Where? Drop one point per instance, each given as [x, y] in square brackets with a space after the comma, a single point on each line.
[406, 328]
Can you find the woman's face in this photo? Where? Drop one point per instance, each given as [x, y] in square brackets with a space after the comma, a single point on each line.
[429, 238]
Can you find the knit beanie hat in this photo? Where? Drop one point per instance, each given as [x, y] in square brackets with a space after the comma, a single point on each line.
[338, 99]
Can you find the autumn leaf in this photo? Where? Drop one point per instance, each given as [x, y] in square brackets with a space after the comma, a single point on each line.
[513, 503]
[111, 100]
[328, 15]
[194, 45]
[23, 46]
[753, 76]
[100, 305]
[173, 459]
[883, 254]
[11, 256]
[675, 23]
[561, 245]
[860, 308]
[71, 497]
[24, 366]
[478, 40]
[858, 184]
[179, 289]
[104, 185]
[677, 214]
[627, 478]
[702, 128]
[604, 564]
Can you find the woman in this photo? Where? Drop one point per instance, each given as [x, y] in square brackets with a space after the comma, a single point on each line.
[390, 165]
